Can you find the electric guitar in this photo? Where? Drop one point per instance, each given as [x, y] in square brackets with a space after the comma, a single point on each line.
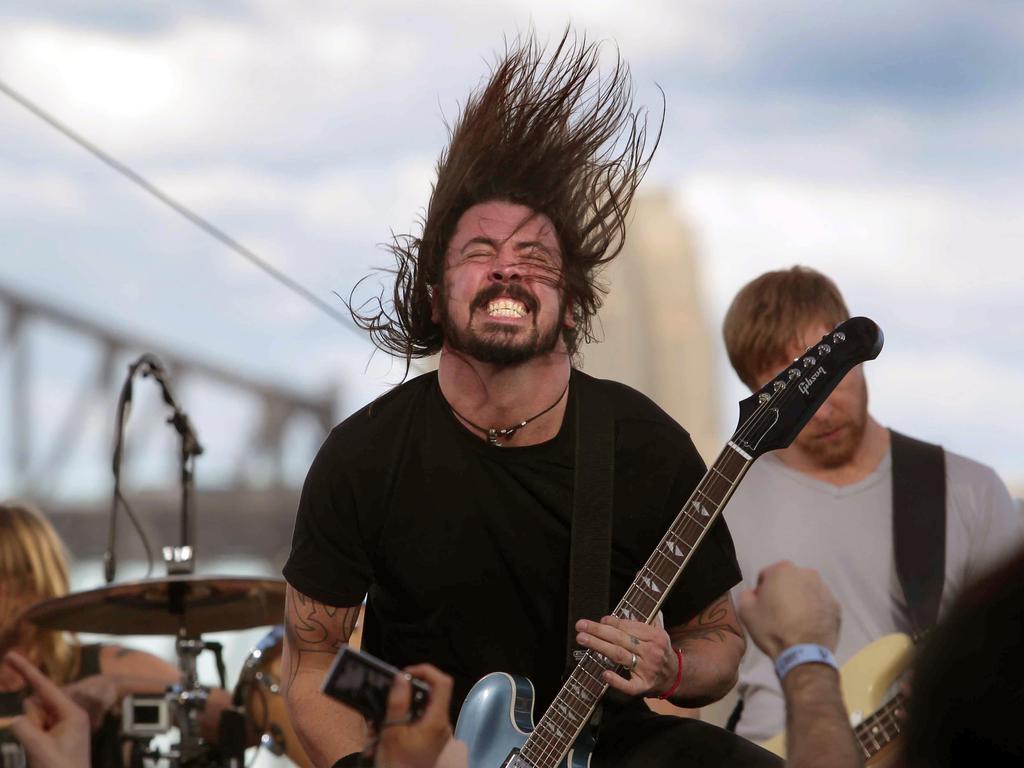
[865, 680]
[496, 720]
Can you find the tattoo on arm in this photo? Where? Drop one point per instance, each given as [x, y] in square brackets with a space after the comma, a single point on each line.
[313, 627]
[713, 623]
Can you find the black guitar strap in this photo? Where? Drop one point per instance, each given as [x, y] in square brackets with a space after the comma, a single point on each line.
[591, 534]
[919, 526]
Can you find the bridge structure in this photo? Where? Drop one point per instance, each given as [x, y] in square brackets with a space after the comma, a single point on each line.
[240, 518]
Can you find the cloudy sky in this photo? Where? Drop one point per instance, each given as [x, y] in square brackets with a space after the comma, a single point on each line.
[881, 143]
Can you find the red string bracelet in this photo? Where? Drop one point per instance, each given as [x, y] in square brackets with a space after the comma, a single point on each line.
[679, 675]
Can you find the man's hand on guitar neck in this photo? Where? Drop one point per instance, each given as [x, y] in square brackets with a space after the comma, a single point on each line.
[695, 663]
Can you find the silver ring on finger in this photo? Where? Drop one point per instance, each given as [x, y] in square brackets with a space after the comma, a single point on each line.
[632, 662]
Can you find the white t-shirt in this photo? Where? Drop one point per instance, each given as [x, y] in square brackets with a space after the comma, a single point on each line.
[845, 533]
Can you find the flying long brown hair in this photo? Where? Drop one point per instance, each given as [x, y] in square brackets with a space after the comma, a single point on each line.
[550, 133]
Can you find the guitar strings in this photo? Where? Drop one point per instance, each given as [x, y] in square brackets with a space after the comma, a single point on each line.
[546, 750]
[540, 742]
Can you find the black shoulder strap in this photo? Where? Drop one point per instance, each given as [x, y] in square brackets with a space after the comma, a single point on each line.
[89, 663]
[919, 526]
[590, 547]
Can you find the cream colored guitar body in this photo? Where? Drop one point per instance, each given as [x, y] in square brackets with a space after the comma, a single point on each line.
[866, 681]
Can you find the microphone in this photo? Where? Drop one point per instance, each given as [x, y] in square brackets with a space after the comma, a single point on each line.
[178, 419]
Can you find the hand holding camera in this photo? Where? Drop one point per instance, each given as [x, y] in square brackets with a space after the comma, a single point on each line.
[416, 743]
[407, 709]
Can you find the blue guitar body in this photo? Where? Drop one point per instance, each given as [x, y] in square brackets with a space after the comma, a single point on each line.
[496, 718]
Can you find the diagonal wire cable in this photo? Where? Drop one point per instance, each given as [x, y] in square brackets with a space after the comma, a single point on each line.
[209, 228]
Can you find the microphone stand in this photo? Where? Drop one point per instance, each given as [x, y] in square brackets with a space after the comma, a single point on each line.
[180, 559]
[187, 698]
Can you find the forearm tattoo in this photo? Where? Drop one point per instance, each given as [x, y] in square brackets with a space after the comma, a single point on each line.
[313, 627]
[713, 623]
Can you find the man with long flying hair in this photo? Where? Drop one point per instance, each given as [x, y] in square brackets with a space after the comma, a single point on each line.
[449, 499]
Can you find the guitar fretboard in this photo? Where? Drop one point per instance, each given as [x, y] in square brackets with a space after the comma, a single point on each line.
[572, 707]
[881, 728]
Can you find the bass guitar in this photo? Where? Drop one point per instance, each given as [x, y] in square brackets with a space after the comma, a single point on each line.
[496, 720]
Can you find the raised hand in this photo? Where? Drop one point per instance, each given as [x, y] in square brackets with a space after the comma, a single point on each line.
[789, 606]
[54, 731]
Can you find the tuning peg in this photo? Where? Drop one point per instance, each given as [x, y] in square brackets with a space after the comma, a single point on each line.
[824, 349]
[779, 386]
[838, 337]
[793, 373]
[809, 361]
[763, 398]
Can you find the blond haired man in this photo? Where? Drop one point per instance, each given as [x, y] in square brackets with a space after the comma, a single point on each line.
[826, 501]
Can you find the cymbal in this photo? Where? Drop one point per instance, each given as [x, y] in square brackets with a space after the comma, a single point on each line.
[166, 606]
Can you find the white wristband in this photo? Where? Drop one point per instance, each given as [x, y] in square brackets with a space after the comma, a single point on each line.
[805, 653]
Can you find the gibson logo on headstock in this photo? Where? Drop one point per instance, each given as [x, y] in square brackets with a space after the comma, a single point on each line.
[805, 385]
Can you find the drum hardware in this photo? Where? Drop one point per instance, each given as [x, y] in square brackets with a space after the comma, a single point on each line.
[185, 606]
[258, 693]
[181, 604]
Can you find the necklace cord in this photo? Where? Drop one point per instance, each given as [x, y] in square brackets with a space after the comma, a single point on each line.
[494, 433]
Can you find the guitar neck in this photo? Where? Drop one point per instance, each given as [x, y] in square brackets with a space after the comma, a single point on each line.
[881, 728]
[659, 574]
[572, 708]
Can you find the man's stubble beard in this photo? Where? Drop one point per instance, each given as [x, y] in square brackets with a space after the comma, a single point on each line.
[502, 345]
[836, 454]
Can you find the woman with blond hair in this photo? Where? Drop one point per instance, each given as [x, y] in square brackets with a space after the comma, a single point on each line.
[34, 568]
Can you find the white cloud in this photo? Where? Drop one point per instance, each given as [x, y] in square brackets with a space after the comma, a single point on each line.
[644, 31]
[198, 85]
[41, 192]
[913, 242]
[367, 201]
[360, 202]
[216, 189]
[955, 397]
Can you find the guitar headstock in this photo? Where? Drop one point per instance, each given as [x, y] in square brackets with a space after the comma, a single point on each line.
[772, 417]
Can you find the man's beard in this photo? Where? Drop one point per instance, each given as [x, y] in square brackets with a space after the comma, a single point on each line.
[830, 454]
[501, 345]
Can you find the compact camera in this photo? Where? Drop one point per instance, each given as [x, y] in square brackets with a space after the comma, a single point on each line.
[363, 681]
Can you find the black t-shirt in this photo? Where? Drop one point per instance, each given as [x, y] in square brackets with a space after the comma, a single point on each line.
[463, 547]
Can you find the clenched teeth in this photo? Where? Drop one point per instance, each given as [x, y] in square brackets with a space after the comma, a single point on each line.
[506, 308]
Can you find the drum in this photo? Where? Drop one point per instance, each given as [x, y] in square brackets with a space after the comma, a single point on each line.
[259, 692]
